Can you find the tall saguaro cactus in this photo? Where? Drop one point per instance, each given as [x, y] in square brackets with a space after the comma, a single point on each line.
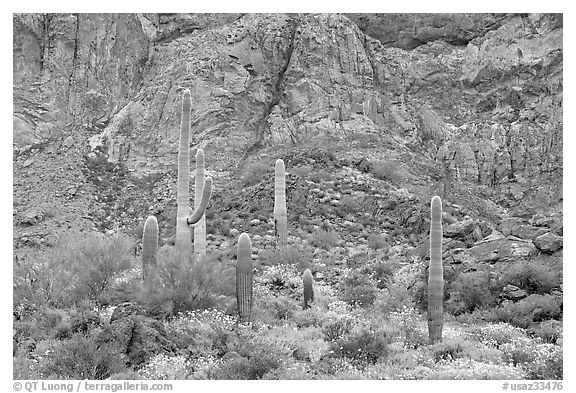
[435, 274]
[307, 281]
[200, 227]
[244, 277]
[184, 218]
[149, 246]
[280, 213]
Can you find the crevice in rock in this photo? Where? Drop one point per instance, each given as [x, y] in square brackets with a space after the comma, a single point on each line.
[74, 63]
[261, 125]
[369, 55]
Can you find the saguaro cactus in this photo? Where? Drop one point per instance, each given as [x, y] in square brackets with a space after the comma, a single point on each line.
[183, 217]
[280, 214]
[200, 227]
[435, 274]
[244, 278]
[307, 281]
[149, 246]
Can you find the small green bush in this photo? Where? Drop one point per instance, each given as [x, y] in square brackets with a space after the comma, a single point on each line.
[532, 277]
[386, 170]
[79, 268]
[377, 241]
[358, 289]
[183, 283]
[365, 346]
[533, 308]
[470, 291]
[324, 239]
[78, 358]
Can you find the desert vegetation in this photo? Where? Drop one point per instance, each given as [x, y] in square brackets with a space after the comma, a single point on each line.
[297, 305]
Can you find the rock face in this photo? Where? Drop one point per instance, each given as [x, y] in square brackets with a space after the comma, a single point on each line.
[469, 106]
[137, 336]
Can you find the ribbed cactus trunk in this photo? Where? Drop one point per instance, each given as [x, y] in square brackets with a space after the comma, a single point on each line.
[435, 274]
[200, 227]
[184, 215]
[280, 213]
[244, 278]
[307, 282]
[183, 232]
[149, 246]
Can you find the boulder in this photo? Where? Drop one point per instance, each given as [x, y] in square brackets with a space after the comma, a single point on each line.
[512, 292]
[136, 335]
[460, 229]
[548, 242]
[500, 248]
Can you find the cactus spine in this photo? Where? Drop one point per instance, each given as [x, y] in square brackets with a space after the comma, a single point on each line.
[200, 227]
[244, 278]
[149, 246]
[435, 274]
[183, 217]
[307, 281]
[280, 214]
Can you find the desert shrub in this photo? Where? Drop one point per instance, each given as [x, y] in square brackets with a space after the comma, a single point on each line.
[386, 170]
[543, 361]
[25, 368]
[533, 308]
[282, 307]
[291, 256]
[248, 358]
[411, 329]
[183, 283]
[204, 333]
[324, 239]
[383, 273]
[78, 268]
[164, 367]
[348, 205]
[531, 276]
[308, 317]
[335, 328]
[364, 346]
[470, 291]
[257, 171]
[377, 241]
[358, 289]
[549, 331]
[78, 357]
[447, 350]
[281, 280]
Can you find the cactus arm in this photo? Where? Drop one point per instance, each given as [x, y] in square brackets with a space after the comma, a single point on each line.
[183, 232]
[199, 212]
[435, 274]
[244, 275]
[200, 227]
[280, 213]
[149, 246]
[307, 282]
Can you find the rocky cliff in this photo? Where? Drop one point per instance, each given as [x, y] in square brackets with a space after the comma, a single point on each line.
[468, 107]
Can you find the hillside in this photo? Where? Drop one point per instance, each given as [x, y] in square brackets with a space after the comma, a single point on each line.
[372, 114]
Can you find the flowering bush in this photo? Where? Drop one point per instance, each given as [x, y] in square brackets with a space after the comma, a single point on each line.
[166, 367]
[541, 360]
[495, 334]
[410, 326]
[468, 369]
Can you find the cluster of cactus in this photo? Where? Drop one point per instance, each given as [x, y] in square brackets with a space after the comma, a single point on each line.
[435, 274]
[244, 272]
